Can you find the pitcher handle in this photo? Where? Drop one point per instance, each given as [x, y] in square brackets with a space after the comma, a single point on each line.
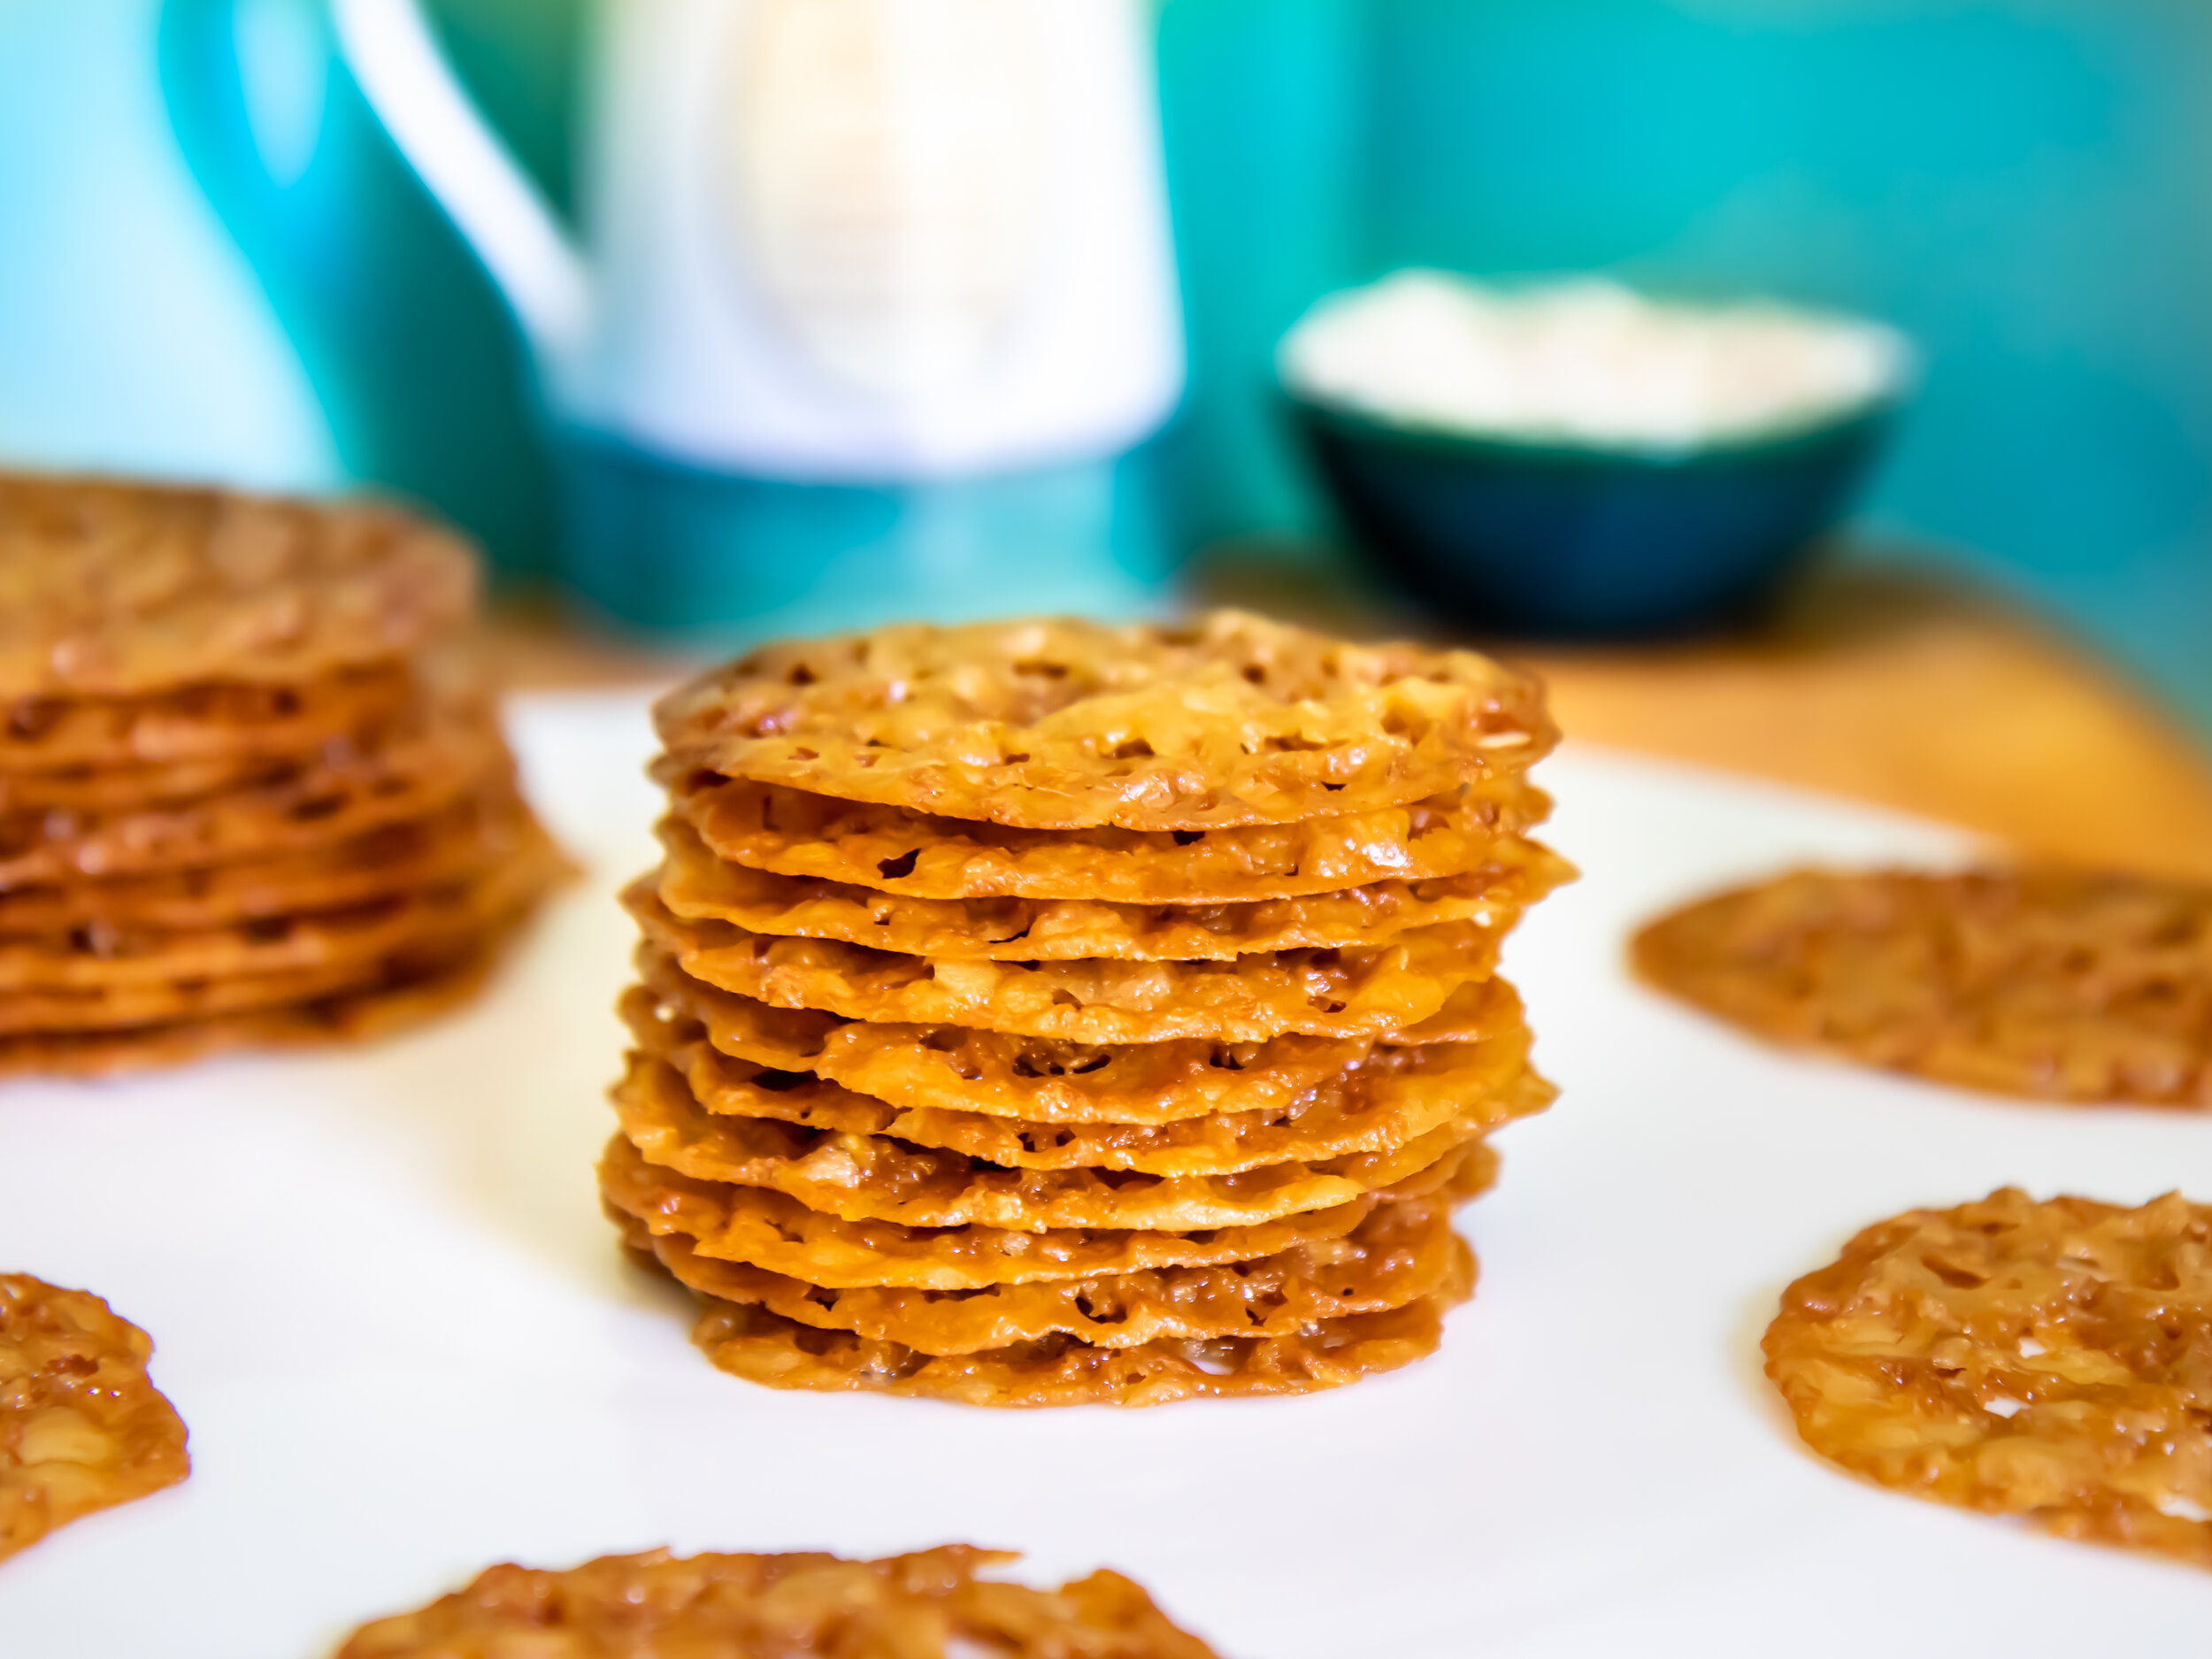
[495, 204]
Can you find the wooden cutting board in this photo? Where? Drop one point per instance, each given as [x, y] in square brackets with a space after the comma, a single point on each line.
[1884, 687]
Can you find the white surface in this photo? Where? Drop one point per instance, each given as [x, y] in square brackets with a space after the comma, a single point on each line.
[389, 1309]
[1584, 362]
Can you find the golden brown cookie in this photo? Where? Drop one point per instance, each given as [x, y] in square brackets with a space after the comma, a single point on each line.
[81, 1425]
[403, 997]
[1364, 992]
[1043, 1079]
[119, 957]
[761, 1347]
[2036, 982]
[819, 837]
[1401, 1252]
[425, 939]
[1375, 1104]
[456, 753]
[2048, 1360]
[115, 590]
[769, 1230]
[207, 721]
[397, 859]
[696, 886]
[930, 1605]
[871, 1178]
[1229, 719]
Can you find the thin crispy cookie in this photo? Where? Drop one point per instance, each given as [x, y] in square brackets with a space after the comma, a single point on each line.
[2042, 983]
[1230, 719]
[111, 589]
[697, 885]
[761, 1347]
[1365, 992]
[769, 1230]
[2046, 1360]
[1374, 1105]
[1401, 1252]
[433, 938]
[930, 1605]
[819, 837]
[1043, 1079]
[327, 802]
[208, 721]
[426, 852]
[81, 1427]
[871, 1178]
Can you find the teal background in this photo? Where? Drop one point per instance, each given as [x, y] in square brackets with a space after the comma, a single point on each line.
[2023, 185]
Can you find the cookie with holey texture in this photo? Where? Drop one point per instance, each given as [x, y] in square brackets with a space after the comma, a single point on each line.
[749, 1341]
[875, 1178]
[771, 1230]
[206, 720]
[2043, 983]
[1048, 1080]
[2052, 1361]
[1368, 990]
[696, 884]
[1228, 720]
[1400, 1253]
[1377, 1104]
[113, 590]
[925, 856]
[81, 1425]
[930, 1605]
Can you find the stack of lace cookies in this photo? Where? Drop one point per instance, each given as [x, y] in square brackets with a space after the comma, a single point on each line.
[1044, 1013]
[242, 799]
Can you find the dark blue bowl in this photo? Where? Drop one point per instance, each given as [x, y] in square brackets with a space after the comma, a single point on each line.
[1554, 541]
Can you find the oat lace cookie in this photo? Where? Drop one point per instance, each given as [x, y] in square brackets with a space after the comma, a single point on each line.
[749, 1341]
[874, 1178]
[401, 995]
[1398, 1254]
[771, 1230]
[2044, 983]
[1375, 1104]
[934, 1604]
[110, 589]
[1362, 992]
[1048, 1080]
[1044, 1013]
[2049, 1360]
[1232, 719]
[81, 1427]
[389, 861]
[696, 886]
[917, 854]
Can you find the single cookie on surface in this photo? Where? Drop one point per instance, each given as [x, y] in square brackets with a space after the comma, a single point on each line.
[81, 1427]
[929, 1605]
[2049, 1360]
[1229, 719]
[2041, 983]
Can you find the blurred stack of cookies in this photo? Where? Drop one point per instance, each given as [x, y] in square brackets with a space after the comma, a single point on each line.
[1043, 1013]
[244, 799]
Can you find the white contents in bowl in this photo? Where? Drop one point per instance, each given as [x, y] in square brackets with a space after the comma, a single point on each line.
[1587, 363]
